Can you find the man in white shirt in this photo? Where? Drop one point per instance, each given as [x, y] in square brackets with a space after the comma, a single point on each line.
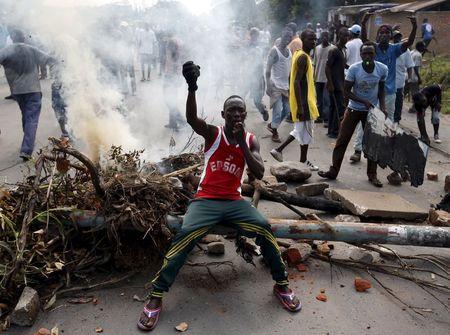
[147, 46]
[415, 80]
[404, 66]
[354, 45]
[320, 78]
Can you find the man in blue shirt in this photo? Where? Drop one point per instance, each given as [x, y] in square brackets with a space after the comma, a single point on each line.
[427, 32]
[365, 88]
[387, 54]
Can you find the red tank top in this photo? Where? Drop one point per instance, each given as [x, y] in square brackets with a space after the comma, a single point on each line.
[224, 169]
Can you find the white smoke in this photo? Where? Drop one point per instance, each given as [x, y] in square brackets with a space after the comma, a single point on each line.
[81, 38]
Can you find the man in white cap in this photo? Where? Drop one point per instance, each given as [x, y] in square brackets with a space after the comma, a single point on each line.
[354, 45]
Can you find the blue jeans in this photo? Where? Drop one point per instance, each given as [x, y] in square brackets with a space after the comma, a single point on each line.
[30, 106]
[280, 110]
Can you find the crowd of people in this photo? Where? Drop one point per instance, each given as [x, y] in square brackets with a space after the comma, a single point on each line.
[312, 80]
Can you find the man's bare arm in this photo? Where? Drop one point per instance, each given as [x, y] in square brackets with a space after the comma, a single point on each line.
[330, 85]
[382, 97]
[272, 58]
[412, 35]
[198, 125]
[364, 20]
[253, 158]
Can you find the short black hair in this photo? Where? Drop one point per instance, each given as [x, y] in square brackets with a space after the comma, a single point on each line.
[368, 44]
[306, 32]
[420, 45]
[234, 96]
[292, 26]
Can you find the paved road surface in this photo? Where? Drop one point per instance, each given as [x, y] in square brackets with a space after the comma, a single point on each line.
[239, 300]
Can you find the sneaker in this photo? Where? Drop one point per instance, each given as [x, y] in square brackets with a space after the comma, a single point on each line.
[276, 138]
[277, 155]
[311, 166]
[25, 157]
[437, 139]
[356, 157]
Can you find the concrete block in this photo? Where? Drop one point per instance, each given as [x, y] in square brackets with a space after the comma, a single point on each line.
[439, 218]
[347, 218]
[432, 176]
[278, 187]
[377, 204]
[27, 309]
[345, 251]
[290, 171]
[312, 189]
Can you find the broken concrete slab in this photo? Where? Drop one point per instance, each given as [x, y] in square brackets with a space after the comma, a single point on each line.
[377, 204]
[290, 171]
[439, 218]
[344, 251]
[313, 189]
[27, 309]
[347, 218]
[447, 183]
[216, 248]
[278, 187]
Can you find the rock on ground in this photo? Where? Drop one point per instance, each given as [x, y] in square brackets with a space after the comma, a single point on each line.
[27, 309]
[347, 218]
[216, 248]
[439, 218]
[210, 238]
[432, 176]
[345, 251]
[290, 171]
[313, 189]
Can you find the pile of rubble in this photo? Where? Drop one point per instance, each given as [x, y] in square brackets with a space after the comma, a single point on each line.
[71, 217]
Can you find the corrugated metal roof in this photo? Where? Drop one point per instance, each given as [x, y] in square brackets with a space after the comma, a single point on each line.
[415, 6]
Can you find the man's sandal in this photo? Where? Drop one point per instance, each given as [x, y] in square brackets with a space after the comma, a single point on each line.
[287, 300]
[149, 313]
[375, 182]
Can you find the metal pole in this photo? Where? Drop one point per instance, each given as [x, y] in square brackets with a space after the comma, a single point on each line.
[351, 232]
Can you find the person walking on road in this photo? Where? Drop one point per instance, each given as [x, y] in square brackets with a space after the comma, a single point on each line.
[335, 71]
[387, 54]
[302, 101]
[21, 63]
[277, 82]
[320, 78]
[228, 150]
[364, 87]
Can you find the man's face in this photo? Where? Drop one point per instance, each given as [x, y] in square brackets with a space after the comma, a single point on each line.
[325, 37]
[286, 37]
[368, 54]
[234, 111]
[384, 35]
[309, 41]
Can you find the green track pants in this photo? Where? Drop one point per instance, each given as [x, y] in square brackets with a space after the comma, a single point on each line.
[201, 216]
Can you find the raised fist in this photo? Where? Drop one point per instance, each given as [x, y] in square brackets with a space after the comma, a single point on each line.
[191, 72]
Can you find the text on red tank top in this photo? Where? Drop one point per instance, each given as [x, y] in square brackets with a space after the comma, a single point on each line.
[224, 169]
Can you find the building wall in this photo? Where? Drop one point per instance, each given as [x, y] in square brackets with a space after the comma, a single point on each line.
[439, 20]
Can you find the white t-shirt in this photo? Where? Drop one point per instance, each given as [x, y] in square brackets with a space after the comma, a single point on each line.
[417, 60]
[146, 41]
[320, 62]
[404, 62]
[353, 51]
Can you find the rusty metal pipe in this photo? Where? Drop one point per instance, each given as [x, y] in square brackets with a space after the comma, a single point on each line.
[351, 232]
